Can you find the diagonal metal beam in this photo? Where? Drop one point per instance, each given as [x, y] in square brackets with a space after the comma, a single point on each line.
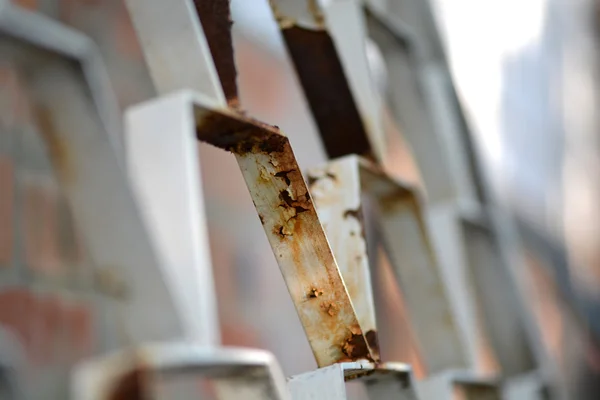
[291, 224]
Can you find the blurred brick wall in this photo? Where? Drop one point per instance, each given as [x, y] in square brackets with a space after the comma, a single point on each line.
[46, 300]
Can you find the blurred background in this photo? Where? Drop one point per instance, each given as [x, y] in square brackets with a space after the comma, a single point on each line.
[526, 73]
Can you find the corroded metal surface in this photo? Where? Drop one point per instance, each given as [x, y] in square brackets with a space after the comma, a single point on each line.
[216, 22]
[327, 90]
[296, 236]
[328, 48]
[336, 190]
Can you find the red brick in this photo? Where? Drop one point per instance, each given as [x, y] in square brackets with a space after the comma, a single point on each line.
[15, 108]
[28, 4]
[52, 330]
[79, 330]
[47, 330]
[16, 305]
[40, 219]
[6, 209]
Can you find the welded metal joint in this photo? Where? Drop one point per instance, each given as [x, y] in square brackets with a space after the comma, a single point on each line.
[381, 381]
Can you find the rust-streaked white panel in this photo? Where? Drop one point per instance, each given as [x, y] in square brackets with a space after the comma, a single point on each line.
[336, 190]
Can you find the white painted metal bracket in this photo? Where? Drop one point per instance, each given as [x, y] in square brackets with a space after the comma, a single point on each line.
[135, 374]
[289, 218]
[383, 381]
[337, 188]
[466, 229]
[163, 163]
[406, 95]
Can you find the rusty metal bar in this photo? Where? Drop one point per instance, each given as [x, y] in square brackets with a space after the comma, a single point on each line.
[337, 188]
[337, 193]
[216, 22]
[292, 226]
[328, 48]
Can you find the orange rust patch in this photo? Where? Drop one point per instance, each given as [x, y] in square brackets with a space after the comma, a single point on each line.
[314, 292]
[330, 308]
[355, 346]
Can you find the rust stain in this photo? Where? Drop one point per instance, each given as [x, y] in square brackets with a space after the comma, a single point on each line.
[311, 180]
[284, 230]
[330, 308]
[130, 386]
[355, 346]
[239, 134]
[354, 213]
[327, 90]
[216, 21]
[264, 175]
[282, 20]
[284, 175]
[358, 215]
[315, 10]
[399, 197]
[373, 341]
[314, 293]
[359, 374]
[58, 149]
